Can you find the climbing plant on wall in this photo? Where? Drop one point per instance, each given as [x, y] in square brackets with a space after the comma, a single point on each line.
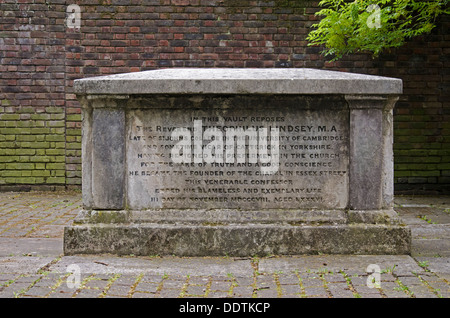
[372, 25]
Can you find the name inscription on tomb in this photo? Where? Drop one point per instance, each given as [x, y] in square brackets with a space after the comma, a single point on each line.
[220, 159]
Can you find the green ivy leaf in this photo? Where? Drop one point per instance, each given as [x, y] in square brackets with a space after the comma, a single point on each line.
[344, 29]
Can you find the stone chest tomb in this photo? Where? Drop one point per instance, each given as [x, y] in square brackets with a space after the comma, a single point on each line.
[241, 162]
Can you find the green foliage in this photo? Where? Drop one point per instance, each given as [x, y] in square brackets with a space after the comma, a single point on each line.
[372, 25]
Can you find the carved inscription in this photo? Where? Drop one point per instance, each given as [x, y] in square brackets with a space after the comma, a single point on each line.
[195, 159]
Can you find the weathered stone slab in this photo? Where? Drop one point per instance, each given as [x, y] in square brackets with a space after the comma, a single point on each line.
[311, 170]
[237, 161]
[239, 81]
[237, 240]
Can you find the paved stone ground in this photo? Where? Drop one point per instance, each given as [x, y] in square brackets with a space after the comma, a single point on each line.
[32, 264]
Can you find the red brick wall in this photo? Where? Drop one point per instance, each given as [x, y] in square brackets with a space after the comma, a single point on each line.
[40, 57]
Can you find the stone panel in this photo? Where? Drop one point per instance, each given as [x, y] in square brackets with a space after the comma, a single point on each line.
[306, 165]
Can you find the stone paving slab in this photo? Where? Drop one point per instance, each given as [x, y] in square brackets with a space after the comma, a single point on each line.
[106, 264]
[429, 220]
[18, 246]
[32, 264]
[23, 265]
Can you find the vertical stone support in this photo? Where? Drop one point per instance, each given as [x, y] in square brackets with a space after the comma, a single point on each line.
[103, 145]
[371, 153]
[86, 152]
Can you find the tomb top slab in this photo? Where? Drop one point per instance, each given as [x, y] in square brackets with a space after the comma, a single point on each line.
[238, 81]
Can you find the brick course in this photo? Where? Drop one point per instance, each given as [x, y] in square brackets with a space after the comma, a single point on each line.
[40, 127]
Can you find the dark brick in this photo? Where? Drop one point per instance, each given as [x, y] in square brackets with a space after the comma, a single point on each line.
[179, 43]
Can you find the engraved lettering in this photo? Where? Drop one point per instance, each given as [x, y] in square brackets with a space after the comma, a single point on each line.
[213, 151]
